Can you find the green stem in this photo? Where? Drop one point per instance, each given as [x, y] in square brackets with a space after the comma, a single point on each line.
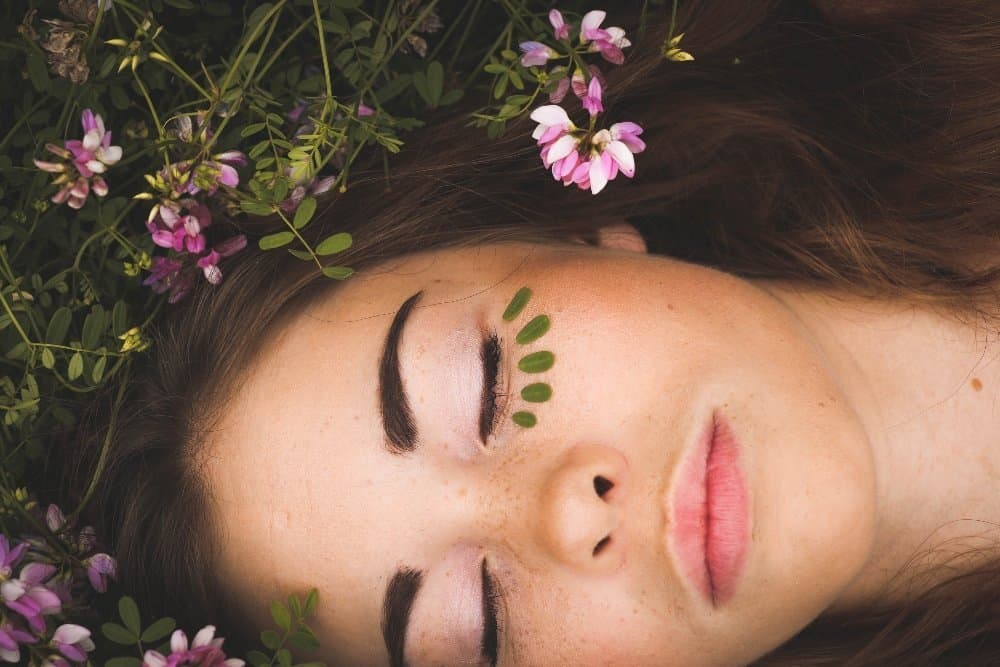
[325, 58]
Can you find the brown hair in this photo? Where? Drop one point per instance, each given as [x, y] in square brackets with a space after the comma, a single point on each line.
[863, 158]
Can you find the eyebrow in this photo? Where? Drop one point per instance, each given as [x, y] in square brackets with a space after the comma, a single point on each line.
[397, 417]
[396, 607]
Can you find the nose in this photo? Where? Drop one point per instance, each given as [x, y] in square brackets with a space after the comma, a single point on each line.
[580, 517]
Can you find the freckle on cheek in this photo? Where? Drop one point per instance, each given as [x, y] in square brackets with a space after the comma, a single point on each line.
[977, 384]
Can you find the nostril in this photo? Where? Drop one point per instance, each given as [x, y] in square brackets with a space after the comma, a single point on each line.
[602, 485]
[600, 545]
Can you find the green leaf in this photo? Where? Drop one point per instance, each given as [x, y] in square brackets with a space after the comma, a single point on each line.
[158, 630]
[256, 208]
[525, 419]
[18, 351]
[394, 87]
[93, 327]
[258, 659]
[118, 634]
[119, 318]
[338, 272]
[334, 243]
[304, 213]
[48, 359]
[295, 606]
[435, 81]
[301, 254]
[303, 640]
[284, 658]
[452, 96]
[501, 86]
[311, 601]
[420, 83]
[98, 373]
[517, 304]
[59, 326]
[280, 191]
[515, 79]
[537, 362]
[495, 68]
[129, 611]
[539, 392]
[270, 639]
[275, 240]
[533, 330]
[75, 369]
[252, 129]
[282, 618]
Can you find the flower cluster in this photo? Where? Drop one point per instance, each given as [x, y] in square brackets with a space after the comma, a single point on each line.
[82, 162]
[586, 157]
[179, 219]
[38, 583]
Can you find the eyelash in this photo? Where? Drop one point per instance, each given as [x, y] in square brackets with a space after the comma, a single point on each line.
[492, 601]
[491, 412]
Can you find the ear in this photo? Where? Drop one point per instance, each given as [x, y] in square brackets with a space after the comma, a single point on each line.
[621, 236]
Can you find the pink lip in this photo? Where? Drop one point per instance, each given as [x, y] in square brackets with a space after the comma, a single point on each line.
[710, 515]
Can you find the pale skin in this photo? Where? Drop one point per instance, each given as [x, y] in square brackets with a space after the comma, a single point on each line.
[867, 432]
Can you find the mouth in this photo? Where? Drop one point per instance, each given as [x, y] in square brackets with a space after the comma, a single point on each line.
[709, 534]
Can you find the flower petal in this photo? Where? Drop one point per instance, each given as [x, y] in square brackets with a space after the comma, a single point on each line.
[623, 156]
[551, 114]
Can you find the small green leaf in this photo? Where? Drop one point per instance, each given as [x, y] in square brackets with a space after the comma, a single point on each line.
[98, 373]
[37, 71]
[275, 240]
[536, 362]
[59, 326]
[48, 359]
[284, 658]
[295, 606]
[517, 304]
[533, 330]
[129, 611]
[124, 661]
[301, 254]
[303, 640]
[338, 272]
[158, 630]
[258, 659]
[304, 212]
[93, 327]
[75, 369]
[435, 81]
[334, 243]
[251, 129]
[311, 601]
[525, 419]
[119, 318]
[282, 618]
[118, 634]
[270, 639]
[256, 208]
[539, 392]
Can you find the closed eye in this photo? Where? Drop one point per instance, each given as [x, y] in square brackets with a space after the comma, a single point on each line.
[488, 415]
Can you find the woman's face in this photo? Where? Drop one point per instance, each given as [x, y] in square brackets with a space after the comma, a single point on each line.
[569, 528]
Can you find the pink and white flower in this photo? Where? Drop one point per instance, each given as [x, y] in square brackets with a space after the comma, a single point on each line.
[536, 54]
[11, 638]
[204, 651]
[592, 100]
[559, 26]
[82, 162]
[609, 42]
[73, 642]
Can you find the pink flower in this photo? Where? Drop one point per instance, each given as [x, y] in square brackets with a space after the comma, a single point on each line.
[609, 42]
[203, 652]
[82, 162]
[614, 148]
[10, 556]
[315, 186]
[178, 225]
[10, 638]
[101, 567]
[28, 596]
[536, 53]
[592, 100]
[209, 263]
[365, 110]
[558, 25]
[165, 274]
[73, 642]
[557, 95]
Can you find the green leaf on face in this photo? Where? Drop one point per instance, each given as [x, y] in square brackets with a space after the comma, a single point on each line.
[539, 392]
[525, 419]
[517, 304]
[536, 362]
[533, 330]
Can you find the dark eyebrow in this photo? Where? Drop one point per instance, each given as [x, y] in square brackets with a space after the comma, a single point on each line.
[396, 607]
[397, 417]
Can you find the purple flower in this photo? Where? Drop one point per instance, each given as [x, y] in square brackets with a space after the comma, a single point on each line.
[73, 642]
[204, 651]
[558, 25]
[10, 556]
[315, 186]
[296, 113]
[165, 274]
[365, 110]
[28, 596]
[536, 53]
[10, 638]
[101, 567]
[209, 263]
[178, 225]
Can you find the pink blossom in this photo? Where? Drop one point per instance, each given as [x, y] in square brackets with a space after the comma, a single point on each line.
[28, 596]
[11, 637]
[209, 262]
[365, 110]
[557, 95]
[10, 556]
[558, 24]
[82, 162]
[536, 53]
[73, 642]
[609, 42]
[101, 567]
[204, 651]
[315, 186]
[592, 100]
[179, 224]
[165, 274]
